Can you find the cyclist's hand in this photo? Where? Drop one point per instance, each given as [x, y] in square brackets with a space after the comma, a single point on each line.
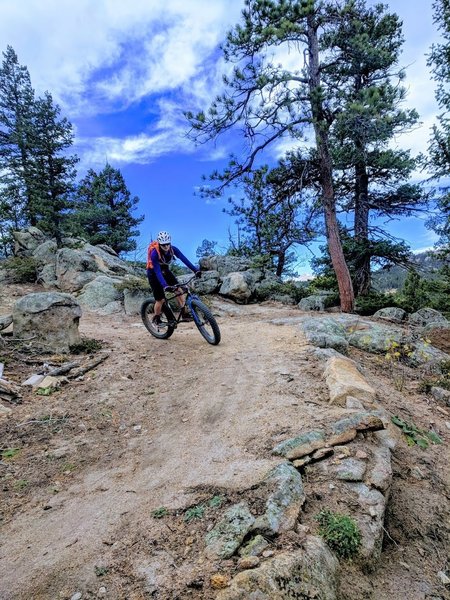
[198, 274]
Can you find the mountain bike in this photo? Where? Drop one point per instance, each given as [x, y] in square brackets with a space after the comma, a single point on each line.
[202, 316]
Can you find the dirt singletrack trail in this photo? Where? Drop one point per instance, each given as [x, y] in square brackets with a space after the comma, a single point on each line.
[153, 426]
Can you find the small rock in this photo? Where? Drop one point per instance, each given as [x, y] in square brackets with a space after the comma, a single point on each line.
[34, 380]
[361, 454]
[218, 581]
[248, 562]
[59, 452]
[76, 596]
[52, 382]
[268, 553]
[405, 565]
[445, 580]
[4, 410]
[354, 403]
[101, 592]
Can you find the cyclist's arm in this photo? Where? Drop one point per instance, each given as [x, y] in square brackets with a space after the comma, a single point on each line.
[157, 268]
[184, 260]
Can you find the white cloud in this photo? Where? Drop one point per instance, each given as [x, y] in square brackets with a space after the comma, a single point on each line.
[106, 55]
[111, 49]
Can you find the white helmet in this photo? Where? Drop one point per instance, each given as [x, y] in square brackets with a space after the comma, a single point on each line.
[164, 237]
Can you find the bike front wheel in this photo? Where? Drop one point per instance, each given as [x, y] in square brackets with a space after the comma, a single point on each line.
[162, 330]
[206, 323]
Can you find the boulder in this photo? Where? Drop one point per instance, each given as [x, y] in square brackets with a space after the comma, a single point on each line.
[47, 276]
[133, 299]
[229, 533]
[74, 269]
[308, 573]
[314, 302]
[426, 315]
[285, 496]
[373, 338]
[45, 253]
[237, 287]
[392, 313]
[27, 240]
[224, 264]
[208, 283]
[325, 333]
[344, 380]
[47, 321]
[100, 292]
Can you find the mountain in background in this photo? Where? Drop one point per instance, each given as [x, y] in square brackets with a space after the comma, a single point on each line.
[393, 278]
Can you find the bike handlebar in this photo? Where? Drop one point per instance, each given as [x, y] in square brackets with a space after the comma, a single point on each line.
[173, 288]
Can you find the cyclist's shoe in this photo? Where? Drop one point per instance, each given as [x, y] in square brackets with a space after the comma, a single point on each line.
[186, 316]
[156, 320]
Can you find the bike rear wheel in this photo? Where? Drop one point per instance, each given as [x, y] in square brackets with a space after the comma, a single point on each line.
[162, 330]
[206, 323]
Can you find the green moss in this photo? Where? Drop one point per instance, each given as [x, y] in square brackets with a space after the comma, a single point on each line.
[340, 532]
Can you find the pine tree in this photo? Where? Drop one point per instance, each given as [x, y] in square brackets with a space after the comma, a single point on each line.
[271, 103]
[371, 178]
[439, 149]
[103, 210]
[16, 124]
[53, 169]
[272, 218]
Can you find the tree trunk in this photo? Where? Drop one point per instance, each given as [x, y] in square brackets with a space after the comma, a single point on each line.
[362, 264]
[321, 129]
[280, 263]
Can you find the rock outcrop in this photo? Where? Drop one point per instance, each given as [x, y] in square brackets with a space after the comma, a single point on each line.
[47, 321]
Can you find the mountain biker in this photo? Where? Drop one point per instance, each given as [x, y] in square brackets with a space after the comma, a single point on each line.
[160, 277]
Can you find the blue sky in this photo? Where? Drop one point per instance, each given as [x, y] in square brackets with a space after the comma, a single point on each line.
[123, 72]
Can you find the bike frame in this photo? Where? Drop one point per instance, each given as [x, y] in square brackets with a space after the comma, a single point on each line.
[185, 290]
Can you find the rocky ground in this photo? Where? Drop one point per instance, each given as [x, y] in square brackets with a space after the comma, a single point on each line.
[110, 484]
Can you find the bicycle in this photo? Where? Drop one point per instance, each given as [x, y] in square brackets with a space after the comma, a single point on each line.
[202, 316]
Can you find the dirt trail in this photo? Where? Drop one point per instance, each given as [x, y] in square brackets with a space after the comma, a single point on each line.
[159, 424]
[178, 414]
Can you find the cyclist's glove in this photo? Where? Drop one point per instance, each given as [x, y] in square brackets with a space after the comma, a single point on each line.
[198, 274]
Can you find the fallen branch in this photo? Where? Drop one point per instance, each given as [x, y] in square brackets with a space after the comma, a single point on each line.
[63, 369]
[94, 363]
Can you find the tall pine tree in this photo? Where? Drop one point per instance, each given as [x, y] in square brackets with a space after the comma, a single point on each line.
[16, 130]
[439, 159]
[103, 210]
[53, 169]
[272, 103]
[36, 172]
[371, 177]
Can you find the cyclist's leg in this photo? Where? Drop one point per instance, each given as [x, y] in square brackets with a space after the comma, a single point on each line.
[172, 280]
[158, 292]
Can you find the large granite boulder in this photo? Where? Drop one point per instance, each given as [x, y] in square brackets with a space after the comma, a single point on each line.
[133, 299]
[426, 315]
[74, 269]
[238, 287]
[47, 321]
[27, 240]
[100, 292]
[225, 264]
[391, 313]
[315, 302]
[311, 572]
[326, 333]
[208, 283]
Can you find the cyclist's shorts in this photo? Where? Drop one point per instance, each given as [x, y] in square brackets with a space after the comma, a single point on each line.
[157, 289]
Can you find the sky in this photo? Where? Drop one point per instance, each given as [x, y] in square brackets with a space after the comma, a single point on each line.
[124, 72]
